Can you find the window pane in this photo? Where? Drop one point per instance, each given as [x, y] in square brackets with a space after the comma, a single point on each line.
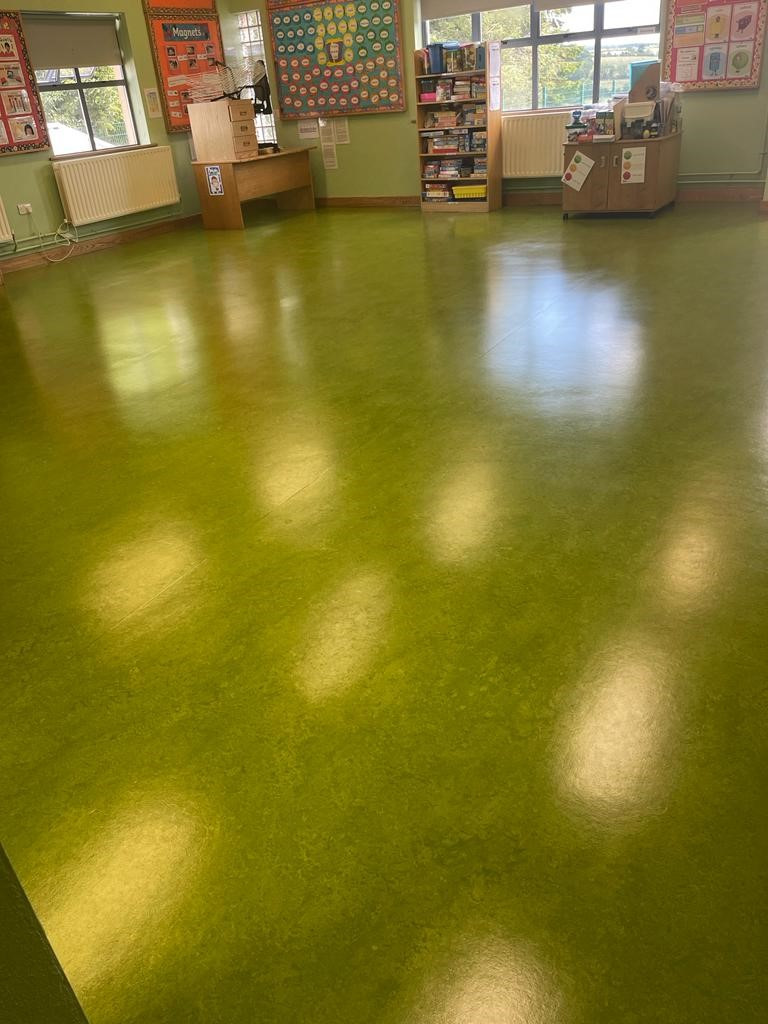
[66, 121]
[516, 77]
[110, 116]
[511, 23]
[55, 76]
[445, 30]
[565, 74]
[567, 19]
[617, 55]
[103, 74]
[631, 13]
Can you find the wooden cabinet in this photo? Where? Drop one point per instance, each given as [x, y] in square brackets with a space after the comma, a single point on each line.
[605, 191]
[223, 130]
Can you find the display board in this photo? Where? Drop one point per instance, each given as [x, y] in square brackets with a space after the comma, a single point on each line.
[22, 125]
[714, 45]
[180, 5]
[337, 59]
[186, 43]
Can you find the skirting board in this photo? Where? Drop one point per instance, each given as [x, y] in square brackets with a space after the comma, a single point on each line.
[367, 200]
[710, 194]
[35, 258]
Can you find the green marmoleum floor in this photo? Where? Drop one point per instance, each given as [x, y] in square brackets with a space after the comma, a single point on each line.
[385, 602]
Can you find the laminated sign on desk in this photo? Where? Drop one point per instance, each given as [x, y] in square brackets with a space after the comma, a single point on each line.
[577, 171]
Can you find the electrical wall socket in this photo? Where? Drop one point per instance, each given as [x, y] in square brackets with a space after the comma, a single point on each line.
[25, 209]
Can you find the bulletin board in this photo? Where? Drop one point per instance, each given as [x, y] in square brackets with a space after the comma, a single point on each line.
[186, 43]
[337, 59]
[22, 125]
[714, 45]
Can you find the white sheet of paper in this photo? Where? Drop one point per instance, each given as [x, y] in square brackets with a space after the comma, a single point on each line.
[577, 171]
[308, 129]
[494, 94]
[152, 98]
[341, 130]
[633, 165]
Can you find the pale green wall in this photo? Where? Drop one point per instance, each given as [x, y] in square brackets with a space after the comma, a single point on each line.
[382, 156]
[28, 178]
[724, 133]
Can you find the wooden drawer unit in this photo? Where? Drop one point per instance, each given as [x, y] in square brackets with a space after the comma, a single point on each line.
[246, 147]
[239, 110]
[604, 191]
[242, 129]
[223, 130]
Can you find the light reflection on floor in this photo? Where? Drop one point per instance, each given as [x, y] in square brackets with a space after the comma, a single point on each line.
[613, 756]
[109, 911]
[344, 634]
[491, 981]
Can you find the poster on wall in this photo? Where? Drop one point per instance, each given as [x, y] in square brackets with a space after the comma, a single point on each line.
[22, 125]
[714, 45]
[180, 5]
[337, 59]
[186, 46]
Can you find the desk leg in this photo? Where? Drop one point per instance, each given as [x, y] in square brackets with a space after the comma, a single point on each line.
[222, 211]
[296, 199]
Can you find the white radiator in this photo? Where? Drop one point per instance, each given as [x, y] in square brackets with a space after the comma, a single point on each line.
[533, 144]
[6, 235]
[109, 185]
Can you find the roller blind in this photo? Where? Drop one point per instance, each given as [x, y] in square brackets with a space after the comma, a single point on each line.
[71, 42]
[431, 9]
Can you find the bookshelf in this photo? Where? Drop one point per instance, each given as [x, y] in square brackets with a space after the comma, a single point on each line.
[458, 119]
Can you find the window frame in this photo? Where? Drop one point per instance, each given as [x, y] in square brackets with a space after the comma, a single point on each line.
[81, 87]
[597, 34]
[250, 23]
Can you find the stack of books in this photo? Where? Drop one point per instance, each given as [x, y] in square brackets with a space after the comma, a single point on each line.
[474, 116]
[477, 88]
[449, 144]
[478, 141]
[443, 89]
[434, 192]
[479, 167]
[450, 169]
[462, 89]
[431, 168]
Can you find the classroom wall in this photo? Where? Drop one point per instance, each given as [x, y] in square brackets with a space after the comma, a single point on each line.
[724, 139]
[28, 178]
[382, 156]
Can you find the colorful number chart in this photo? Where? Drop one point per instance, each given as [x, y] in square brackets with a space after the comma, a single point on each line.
[714, 45]
[337, 59]
[22, 125]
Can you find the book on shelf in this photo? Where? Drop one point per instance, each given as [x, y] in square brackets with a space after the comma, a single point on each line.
[443, 90]
[439, 58]
[431, 168]
[478, 140]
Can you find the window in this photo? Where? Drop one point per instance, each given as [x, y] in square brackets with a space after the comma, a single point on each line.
[80, 75]
[562, 57]
[252, 44]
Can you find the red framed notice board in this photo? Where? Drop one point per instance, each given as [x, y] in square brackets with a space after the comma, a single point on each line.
[185, 44]
[714, 45]
[22, 125]
[336, 59]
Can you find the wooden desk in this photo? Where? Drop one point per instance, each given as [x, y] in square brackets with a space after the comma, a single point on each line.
[285, 175]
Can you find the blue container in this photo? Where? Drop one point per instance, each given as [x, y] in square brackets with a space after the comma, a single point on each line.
[435, 51]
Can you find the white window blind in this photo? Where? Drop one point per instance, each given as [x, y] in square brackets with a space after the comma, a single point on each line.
[71, 42]
[431, 9]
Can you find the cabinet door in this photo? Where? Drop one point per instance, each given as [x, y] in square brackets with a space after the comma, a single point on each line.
[625, 191]
[594, 192]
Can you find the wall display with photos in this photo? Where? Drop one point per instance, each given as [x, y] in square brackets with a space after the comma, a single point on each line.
[714, 45]
[22, 125]
[335, 59]
[185, 44]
